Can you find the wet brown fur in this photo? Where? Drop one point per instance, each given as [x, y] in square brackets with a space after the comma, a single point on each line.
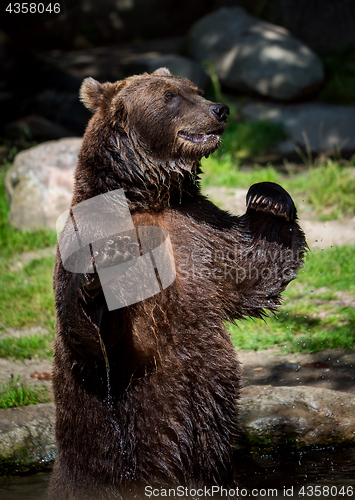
[171, 416]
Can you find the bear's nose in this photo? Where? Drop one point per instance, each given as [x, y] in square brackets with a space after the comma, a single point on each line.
[220, 112]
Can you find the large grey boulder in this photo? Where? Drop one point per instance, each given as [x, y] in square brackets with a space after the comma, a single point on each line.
[316, 126]
[40, 183]
[326, 26]
[253, 55]
[27, 441]
[296, 416]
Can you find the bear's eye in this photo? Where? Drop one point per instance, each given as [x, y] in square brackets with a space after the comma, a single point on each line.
[168, 96]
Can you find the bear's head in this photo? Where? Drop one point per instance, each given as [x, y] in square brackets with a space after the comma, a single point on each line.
[165, 117]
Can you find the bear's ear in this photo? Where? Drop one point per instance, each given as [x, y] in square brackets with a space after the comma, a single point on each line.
[92, 93]
[162, 72]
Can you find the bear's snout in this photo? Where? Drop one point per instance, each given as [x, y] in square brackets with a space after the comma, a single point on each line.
[220, 112]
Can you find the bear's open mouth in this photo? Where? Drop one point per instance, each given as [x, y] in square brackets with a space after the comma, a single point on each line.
[198, 138]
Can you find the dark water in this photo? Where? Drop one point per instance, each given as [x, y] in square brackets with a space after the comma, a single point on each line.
[327, 473]
[27, 488]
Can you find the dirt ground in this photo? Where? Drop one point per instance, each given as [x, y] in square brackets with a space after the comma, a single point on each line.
[328, 369]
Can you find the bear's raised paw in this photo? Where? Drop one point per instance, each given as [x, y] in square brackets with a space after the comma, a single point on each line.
[271, 198]
[109, 253]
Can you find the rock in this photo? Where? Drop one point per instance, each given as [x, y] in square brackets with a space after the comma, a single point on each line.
[249, 54]
[274, 417]
[326, 29]
[178, 65]
[40, 183]
[110, 63]
[324, 127]
[296, 416]
[36, 128]
[27, 441]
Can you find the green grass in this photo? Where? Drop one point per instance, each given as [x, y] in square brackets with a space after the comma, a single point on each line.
[26, 296]
[329, 188]
[226, 171]
[33, 346]
[313, 316]
[16, 393]
[332, 267]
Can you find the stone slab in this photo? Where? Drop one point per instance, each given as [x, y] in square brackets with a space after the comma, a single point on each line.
[319, 127]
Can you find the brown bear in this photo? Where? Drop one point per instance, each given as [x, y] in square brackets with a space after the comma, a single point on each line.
[146, 394]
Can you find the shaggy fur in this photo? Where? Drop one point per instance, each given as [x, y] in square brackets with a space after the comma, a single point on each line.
[147, 394]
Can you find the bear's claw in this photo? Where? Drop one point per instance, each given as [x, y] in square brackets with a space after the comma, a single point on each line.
[91, 284]
[271, 198]
[109, 253]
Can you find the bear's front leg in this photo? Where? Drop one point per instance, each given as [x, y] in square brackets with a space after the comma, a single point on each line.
[268, 250]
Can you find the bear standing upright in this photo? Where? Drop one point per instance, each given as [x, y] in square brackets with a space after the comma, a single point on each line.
[146, 394]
